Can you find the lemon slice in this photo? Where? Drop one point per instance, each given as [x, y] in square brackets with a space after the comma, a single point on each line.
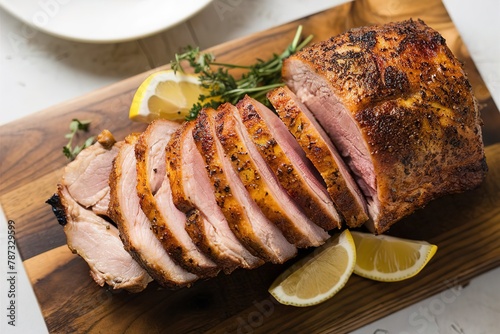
[318, 276]
[390, 259]
[167, 95]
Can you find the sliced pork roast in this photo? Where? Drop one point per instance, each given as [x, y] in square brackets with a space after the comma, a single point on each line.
[244, 217]
[98, 243]
[193, 193]
[399, 108]
[167, 222]
[319, 149]
[385, 114]
[93, 238]
[288, 162]
[134, 225]
[261, 183]
[87, 178]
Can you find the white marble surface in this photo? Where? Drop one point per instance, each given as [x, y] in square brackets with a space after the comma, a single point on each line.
[38, 71]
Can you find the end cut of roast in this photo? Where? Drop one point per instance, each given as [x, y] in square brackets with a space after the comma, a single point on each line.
[88, 234]
[399, 108]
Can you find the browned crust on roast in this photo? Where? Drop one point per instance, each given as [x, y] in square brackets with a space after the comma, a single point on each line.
[282, 167]
[414, 107]
[161, 229]
[195, 221]
[251, 178]
[439, 161]
[234, 213]
[367, 65]
[317, 151]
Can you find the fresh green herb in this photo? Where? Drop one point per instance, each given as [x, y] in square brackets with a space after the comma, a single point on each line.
[75, 126]
[258, 79]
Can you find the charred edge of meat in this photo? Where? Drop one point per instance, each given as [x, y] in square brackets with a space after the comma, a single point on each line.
[58, 209]
[106, 139]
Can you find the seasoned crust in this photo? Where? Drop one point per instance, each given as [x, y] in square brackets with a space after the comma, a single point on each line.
[312, 142]
[237, 220]
[208, 230]
[154, 199]
[258, 187]
[413, 110]
[284, 168]
[244, 217]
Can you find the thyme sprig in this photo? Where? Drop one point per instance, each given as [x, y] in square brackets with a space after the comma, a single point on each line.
[215, 78]
[75, 126]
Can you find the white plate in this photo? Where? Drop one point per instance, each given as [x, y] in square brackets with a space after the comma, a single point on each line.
[102, 21]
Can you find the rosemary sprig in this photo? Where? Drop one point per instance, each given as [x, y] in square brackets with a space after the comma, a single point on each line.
[256, 81]
[75, 126]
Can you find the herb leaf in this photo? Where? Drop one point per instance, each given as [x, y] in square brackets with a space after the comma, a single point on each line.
[75, 126]
[257, 80]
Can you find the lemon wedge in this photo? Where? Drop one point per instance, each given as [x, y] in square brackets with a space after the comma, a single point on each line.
[390, 259]
[167, 95]
[318, 276]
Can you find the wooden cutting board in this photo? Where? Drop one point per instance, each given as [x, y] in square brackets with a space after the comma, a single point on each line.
[465, 227]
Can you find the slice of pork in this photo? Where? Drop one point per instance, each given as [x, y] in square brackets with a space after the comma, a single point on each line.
[342, 188]
[86, 177]
[153, 187]
[135, 227]
[193, 193]
[98, 243]
[244, 217]
[261, 183]
[289, 163]
[150, 154]
[400, 109]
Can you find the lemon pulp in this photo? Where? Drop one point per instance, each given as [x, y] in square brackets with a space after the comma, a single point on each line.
[319, 276]
[166, 95]
[386, 258]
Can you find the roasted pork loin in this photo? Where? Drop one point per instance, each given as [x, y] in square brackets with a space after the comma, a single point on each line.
[399, 107]
[87, 179]
[373, 125]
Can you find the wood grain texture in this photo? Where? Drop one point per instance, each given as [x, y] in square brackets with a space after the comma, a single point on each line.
[465, 227]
